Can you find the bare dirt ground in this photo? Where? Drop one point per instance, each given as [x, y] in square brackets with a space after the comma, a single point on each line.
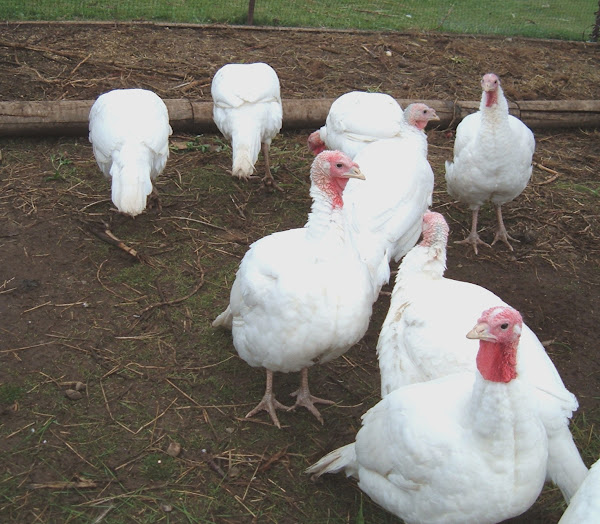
[137, 334]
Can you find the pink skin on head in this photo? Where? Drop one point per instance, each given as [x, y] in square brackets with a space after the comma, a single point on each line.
[435, 229]
[418, 115]
[315, 144]
[490, 84]
[330, 172]
[498, 331]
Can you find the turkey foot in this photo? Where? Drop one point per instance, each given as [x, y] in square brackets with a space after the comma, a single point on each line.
[501, 233]
[473, 237]
[474, 240]
[154, 200]
[304, 398]
[269, 403]
[268, 179]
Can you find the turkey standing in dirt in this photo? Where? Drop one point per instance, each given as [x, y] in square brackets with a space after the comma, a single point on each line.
[387, 208]
[129, 132]
[302, 296]
[247, 110]
[492, 159]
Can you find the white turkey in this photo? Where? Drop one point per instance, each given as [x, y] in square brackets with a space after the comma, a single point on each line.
[584, 507]
[492, 159]
[129, 132]
[302, 296]
[247, 110]
[357, 119]
[422, 338]
[387, 208]
[466, 448]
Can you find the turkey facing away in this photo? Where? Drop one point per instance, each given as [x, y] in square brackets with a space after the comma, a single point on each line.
[129, 132]
[357, 119]
[247, 110]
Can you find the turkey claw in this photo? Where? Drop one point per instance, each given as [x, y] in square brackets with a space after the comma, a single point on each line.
[269, 404]
[308, 401]
[473, 240]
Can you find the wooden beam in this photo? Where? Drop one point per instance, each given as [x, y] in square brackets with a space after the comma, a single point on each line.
[70, 117]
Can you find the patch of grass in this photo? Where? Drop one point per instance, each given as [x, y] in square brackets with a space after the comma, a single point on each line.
[551, 19]
[157, 466]
[584, 427]
[582, 188]
[138, 276]
[589, 189]
[10, 393]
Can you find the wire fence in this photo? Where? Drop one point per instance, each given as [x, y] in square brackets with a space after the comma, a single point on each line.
[567, 19]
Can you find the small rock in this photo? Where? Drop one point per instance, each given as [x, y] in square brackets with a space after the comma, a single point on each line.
[28, 284]
[73, 395]
[174, 449]
[167, 508]
[529, 236]
[79, 386]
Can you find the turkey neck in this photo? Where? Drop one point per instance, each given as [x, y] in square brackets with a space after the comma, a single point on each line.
[496, 387]
[426, 259]
[503, 413]
[417, 138]
[497, 112]
[326, 215]
[497, 362]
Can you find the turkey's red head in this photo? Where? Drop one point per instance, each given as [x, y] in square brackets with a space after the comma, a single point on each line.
[315, 144]
[418, 115]
[490, 84]
[498, 330]
[435, 229]
[331, 171]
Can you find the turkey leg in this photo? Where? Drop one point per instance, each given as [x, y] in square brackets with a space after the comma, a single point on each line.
[304, 398]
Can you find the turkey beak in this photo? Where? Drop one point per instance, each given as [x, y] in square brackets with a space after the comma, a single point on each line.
[355, 173]
[487, 85]
[482, 332]
[434, 115]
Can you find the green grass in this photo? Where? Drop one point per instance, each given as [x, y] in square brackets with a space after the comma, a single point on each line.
[10, 393]
[570, 20]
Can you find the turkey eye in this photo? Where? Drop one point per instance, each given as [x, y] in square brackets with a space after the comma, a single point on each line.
[504, 326]
[339, 165]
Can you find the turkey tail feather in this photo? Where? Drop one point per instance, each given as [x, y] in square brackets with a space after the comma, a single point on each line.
[565, 466]
[335, 461]
[224, 319]
[131, 182]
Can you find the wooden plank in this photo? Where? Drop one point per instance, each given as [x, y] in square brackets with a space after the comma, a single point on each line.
[70, 117]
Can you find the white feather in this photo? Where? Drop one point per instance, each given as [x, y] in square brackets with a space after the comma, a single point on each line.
[247, 110]
[423, 338]
[584, 507]
[387, 209]
[356, 119]
[454, 450]
[492, 156]
[129, 132]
